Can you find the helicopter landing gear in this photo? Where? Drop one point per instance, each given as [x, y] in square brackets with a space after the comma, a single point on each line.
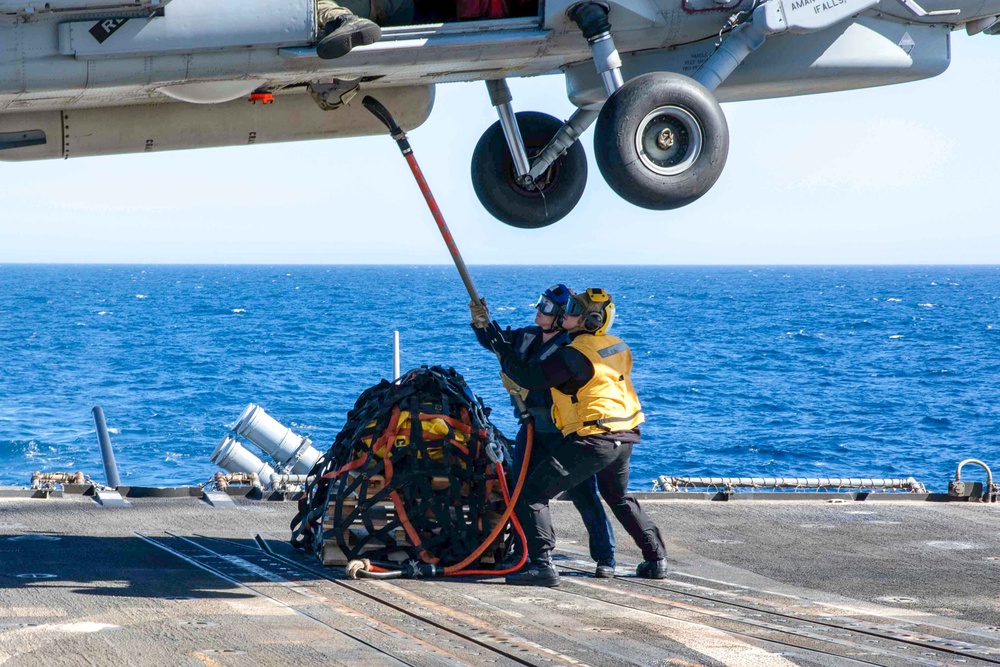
[527, 203]
[661, 141]
[502, 175]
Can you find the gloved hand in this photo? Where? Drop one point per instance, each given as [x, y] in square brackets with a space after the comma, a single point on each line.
[480, 314]
[512, 387]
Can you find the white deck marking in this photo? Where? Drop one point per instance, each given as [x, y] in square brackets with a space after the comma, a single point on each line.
[711, 642]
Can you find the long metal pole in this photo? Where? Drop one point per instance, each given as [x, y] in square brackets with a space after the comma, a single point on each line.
[380, 112]
[397, 133]
[107, 453]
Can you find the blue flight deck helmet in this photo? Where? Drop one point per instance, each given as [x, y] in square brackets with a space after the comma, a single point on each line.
[553, 300]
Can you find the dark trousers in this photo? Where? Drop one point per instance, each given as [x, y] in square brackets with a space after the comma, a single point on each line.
[583, 496]
[573, 461]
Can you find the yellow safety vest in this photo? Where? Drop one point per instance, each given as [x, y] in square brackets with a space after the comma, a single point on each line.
[608, 402]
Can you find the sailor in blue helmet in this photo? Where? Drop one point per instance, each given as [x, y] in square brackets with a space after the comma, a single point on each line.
[534, 344]
[595, 406]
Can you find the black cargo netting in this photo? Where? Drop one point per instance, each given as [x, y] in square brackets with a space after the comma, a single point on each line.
[394, 488]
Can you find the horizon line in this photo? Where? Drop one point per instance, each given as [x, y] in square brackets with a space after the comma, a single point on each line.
[4, 264]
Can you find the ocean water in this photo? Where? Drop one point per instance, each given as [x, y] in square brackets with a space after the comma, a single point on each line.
[785, 371]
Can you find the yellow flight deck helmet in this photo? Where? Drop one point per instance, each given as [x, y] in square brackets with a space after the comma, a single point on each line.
[597, 308]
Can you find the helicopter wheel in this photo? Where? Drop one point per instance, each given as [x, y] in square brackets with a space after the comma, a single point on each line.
[661, 141]
[548, 199]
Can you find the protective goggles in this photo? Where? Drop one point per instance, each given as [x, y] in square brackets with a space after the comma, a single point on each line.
[574, 308]
[547, 306]
[577, 303]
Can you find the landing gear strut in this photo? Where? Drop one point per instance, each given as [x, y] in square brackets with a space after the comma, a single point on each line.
[502, 176]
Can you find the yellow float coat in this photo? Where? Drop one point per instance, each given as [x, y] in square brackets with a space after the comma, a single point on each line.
[607, 403]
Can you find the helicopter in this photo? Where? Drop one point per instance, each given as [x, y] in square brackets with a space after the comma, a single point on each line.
[102, 77]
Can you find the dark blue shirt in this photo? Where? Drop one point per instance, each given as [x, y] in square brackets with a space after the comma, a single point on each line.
[527, 346]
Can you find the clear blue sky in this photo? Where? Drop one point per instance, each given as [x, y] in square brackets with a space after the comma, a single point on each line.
[903, 174]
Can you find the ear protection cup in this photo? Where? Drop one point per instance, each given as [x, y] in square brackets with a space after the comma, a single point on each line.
[593, 321]
[608, 317]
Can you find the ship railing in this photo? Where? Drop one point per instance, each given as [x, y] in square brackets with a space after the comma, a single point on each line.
[788, 484]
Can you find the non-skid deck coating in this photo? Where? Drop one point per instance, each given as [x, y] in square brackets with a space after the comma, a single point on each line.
[769, 583]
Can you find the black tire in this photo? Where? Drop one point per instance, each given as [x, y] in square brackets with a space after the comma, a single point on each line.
[661, 178]
[493, 175]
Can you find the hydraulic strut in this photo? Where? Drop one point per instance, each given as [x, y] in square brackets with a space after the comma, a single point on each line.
[501, 99]
[592, 18]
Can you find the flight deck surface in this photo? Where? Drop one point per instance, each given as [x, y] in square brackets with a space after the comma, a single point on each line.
[176, 581]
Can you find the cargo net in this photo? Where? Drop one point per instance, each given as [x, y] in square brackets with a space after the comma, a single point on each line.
[414, 475]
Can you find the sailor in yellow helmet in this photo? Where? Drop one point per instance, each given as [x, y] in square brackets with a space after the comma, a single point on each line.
[534, 344]
[596, 408]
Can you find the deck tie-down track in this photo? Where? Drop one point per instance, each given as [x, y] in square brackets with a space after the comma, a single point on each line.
[625, 621]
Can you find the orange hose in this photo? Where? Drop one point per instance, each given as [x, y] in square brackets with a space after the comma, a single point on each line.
[457, 568]
[511, 501]
[517, 529]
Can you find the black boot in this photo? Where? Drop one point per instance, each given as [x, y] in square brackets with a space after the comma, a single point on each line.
[512, 558]
[652, 569]
[537, 572]
[344, 33]
[605, 569]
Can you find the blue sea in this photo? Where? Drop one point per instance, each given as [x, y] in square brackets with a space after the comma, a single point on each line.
[784, 371]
